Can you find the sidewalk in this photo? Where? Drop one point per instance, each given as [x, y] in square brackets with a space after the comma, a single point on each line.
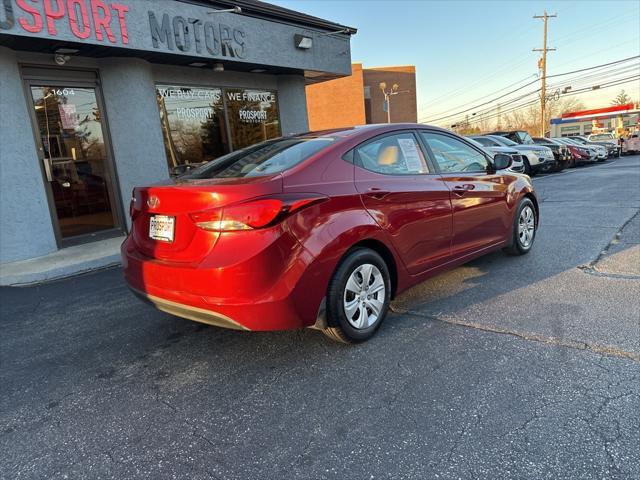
[62, 263]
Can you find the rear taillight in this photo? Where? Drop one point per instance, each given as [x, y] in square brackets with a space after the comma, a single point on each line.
[253, 214]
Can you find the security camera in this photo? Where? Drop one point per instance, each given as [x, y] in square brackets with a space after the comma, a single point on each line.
[61, 59]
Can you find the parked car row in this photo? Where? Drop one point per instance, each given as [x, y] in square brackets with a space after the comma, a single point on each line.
[533, 158]
[545, 155]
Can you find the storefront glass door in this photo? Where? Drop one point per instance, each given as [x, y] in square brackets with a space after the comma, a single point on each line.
[69, 127]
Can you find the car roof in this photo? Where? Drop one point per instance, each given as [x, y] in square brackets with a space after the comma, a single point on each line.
[375, 128]
[503, 132]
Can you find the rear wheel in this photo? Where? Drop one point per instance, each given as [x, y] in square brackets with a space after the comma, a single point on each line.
[358, 297]
[524, 228]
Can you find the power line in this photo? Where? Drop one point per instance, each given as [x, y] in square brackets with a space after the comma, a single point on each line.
[423, 120]
[596, 77]
[482, 114]
[602, 86]
[483, 104]
[593, 68]
[492, 93]
[478, 81]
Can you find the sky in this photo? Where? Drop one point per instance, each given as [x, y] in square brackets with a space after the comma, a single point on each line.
[467, 50]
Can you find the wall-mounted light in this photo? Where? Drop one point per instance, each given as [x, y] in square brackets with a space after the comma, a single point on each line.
[302, 42]
[197, 64]
[218, 67]
[226, 10]
[258, 70]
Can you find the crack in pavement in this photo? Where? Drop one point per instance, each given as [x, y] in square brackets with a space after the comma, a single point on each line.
[592, 267]
[608, 350]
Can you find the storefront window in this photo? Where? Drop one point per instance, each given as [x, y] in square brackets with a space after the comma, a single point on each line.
[253, 116]
[193, 125]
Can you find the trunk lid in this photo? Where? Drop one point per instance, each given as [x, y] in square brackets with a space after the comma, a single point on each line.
[177, 200]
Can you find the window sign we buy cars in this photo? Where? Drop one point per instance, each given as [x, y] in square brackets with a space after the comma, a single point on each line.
[170, 27]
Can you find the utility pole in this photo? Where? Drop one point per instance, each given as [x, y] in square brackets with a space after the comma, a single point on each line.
[542, 65]
[499, 124]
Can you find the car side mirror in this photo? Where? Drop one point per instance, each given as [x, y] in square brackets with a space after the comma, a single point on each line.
[501, 161]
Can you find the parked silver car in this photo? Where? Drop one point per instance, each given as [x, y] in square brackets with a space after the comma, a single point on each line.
[607, 140]
[602, 151]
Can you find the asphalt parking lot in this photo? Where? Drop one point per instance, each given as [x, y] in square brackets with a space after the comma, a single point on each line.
[506, 367]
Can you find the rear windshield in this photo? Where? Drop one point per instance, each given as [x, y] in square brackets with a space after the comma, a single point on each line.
[483, 141]
[505, 141]
[262, 159]
[525, 138]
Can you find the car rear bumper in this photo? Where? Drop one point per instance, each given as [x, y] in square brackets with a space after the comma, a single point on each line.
[189, 312]
[252, 292]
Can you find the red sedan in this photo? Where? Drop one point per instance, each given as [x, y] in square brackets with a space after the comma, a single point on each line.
[323, 229]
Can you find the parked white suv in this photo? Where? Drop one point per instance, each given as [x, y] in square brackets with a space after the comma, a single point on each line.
[517, 164]
[534, 156]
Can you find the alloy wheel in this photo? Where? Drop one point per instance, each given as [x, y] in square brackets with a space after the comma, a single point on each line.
[526, 226]
[364, 296]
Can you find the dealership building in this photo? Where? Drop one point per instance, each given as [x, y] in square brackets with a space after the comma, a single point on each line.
[99, 96]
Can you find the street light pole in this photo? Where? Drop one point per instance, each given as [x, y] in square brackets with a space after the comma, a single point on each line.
[387, 96]
[386, 99]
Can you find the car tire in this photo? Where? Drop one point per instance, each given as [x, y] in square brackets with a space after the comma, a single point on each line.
[352, 306]
[527, 166]
[525, 227]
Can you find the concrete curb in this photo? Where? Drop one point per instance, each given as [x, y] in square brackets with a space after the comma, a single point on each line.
[62, 263]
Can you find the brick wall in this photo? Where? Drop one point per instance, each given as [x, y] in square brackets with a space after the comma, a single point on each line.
[403, 105]
[337, 103]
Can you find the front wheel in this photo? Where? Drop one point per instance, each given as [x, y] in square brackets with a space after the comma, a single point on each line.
[525, 225]
[358, 297]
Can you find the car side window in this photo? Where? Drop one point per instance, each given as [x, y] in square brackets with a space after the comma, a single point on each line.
[453, 155]
[397, 154]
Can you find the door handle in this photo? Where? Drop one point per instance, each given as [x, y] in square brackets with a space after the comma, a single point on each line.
[377, 193]
[464, 188]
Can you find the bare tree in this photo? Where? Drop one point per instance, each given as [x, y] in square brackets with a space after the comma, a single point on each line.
[621, 99]
[529, 118]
